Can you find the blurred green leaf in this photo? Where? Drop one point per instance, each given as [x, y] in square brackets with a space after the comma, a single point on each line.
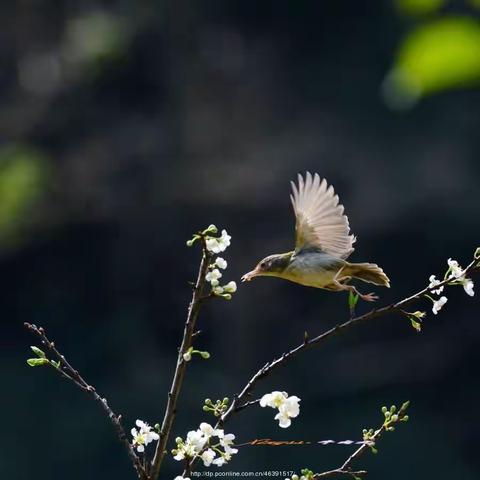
[436, 56]
[95, 37]
[22, 181]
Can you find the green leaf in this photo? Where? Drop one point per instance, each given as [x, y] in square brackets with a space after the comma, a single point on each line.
[352, 300]
[38, 352]
[36, 362]
[439, 55]
[416, 325]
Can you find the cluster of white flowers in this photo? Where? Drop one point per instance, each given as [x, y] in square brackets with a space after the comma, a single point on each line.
[288, 407]
[455, 276]
[143, 436]
[294, 477]
[457, 273]
[200, 443]
[217, 245]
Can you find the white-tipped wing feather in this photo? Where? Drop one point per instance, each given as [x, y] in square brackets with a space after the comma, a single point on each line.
[320, 221]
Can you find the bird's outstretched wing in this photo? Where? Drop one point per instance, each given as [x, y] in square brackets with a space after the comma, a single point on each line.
[320, 222]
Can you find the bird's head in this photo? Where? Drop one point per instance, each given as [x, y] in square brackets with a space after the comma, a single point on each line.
[271, 266]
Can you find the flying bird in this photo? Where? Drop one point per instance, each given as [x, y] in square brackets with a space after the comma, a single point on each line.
[322, 244]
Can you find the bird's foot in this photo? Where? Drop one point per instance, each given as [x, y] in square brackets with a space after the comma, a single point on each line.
[369, 297]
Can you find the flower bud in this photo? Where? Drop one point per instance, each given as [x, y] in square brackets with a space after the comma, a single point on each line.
[211, 229]
[205, 355]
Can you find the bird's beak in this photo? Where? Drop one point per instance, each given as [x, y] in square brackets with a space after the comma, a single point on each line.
[248, 276]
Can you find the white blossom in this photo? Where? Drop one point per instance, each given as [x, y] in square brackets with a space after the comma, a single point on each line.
[226, 441]
[218, 290]
[433, 283]
[208, 456]
[221, 263]
[230, 287]
[213, 276]
[273, 400]
[217, 245]
[456, 270]
[187, 356]
[200, 443]
[197, 439]
[224, 458]
[213, 245]
[185, 451]
[468, 286]
[219, 461]
[207, 430]
[179, 477]
[437, 306]
[225, 238]
[288, 407]
[143, 436]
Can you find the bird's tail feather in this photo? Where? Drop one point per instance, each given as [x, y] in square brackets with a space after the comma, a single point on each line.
[368, 272]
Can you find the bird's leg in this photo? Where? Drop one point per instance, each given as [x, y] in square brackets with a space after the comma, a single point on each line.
[368, 297]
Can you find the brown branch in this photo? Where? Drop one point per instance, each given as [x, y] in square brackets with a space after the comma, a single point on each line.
[67, 371]
[188, 334]
[240, 401]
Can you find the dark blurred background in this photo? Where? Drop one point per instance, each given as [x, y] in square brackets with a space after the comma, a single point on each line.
[125, 126]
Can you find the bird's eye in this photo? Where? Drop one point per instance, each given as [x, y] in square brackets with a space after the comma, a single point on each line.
[263, 264]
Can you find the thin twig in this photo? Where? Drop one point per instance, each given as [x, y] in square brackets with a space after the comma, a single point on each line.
[67, 371]
[339, 472]
[346, 469]
[239, 402]
[188, 334]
